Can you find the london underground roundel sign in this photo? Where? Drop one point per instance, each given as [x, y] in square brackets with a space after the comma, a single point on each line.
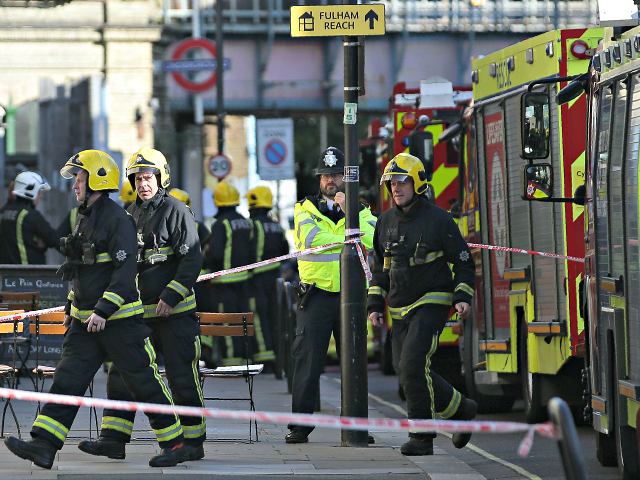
[181, 49]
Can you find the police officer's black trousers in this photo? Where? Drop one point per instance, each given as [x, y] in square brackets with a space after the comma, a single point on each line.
[414, 341]
[320, 317]
[232, 298]
[262, 289]
[129, 347]
[179, 341]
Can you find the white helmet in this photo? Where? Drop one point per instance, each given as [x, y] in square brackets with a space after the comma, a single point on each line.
[28, 185]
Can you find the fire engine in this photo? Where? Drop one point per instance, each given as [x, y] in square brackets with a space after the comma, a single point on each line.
[612, 264]
[526, 335]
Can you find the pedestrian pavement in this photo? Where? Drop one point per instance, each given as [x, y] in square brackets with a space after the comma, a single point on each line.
[321, 458]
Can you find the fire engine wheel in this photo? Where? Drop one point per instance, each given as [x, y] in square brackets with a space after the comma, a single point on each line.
[486, 403]
[625, 437]
[535, 411]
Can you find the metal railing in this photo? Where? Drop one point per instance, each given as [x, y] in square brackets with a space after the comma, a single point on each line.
[415, 16]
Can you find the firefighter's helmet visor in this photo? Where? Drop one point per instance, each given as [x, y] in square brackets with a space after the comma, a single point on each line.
[398, 177]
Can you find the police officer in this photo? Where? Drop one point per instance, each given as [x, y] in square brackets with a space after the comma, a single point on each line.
[169, 261]
[319, 220]
[25, 234]
[414, 243]
[230, 246]
[103, 316]
[269, 242]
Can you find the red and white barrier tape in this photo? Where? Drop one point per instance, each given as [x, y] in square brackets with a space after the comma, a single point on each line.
[349, 423]
[320, 248]
[528, 252]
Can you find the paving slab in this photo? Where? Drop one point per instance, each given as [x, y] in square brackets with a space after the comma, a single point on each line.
[322, 458]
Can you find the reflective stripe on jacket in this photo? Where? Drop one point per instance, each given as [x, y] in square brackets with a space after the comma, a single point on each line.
[313, 229]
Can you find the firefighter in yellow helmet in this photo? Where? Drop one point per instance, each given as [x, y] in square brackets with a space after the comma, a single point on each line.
[103, 317]
[269, 242]
[230, 246]
[319, 220]
[127, 194]
[413, 245]
[169, 262]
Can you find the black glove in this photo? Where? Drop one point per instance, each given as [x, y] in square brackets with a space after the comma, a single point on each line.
[399, 272]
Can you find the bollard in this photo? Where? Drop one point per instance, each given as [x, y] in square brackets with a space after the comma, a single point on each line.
[279, 338]
[568, 442]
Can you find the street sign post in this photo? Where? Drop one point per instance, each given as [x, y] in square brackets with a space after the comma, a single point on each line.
[275, 148]
[219, 166]
[350, 21]
[338, 20]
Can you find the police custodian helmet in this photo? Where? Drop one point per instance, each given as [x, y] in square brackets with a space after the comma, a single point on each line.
[331, 161]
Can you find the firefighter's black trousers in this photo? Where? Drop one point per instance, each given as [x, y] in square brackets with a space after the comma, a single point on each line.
[414, 341]
[263, 292]
[179, 341]
[232, 298]
[128, 346]
[320, 317]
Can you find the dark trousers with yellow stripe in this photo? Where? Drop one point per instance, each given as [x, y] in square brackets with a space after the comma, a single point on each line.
[314, 325]
[126, 343]
[263, 303]
[414, 341]
[178, 339]
[232, 298]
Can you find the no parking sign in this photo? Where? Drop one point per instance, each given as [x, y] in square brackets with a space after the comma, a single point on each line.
[275, 148]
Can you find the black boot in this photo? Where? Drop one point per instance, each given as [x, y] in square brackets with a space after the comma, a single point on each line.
[104, 447]
[466, 411]
[170, 457]
[39, 450]
[296, 436]
[417, 446]
[196, 452]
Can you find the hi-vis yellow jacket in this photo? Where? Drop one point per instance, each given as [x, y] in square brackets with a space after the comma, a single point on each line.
[313, 228]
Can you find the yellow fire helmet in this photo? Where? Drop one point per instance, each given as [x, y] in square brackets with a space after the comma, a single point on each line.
[260, 197]
[403, 166]
[127, 193]
[225, 195]
[148, 160]
[181, 195]
[104, 174]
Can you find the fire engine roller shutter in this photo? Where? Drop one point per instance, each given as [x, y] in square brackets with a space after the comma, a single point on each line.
[632, 217]
[601, 194]
[484, 232]
[615, 180]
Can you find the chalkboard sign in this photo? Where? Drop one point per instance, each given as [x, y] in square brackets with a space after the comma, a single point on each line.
[53, 293]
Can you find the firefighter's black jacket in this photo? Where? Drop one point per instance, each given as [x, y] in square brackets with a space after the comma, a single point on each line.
[166, 226]
[269, 240]
[230, 245]
[108, 287]
[25, 234]
[431, 282]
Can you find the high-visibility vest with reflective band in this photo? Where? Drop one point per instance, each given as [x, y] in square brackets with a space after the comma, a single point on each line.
[313, 229]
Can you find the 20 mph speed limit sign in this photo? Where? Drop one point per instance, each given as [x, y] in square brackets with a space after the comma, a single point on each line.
[219, 166]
